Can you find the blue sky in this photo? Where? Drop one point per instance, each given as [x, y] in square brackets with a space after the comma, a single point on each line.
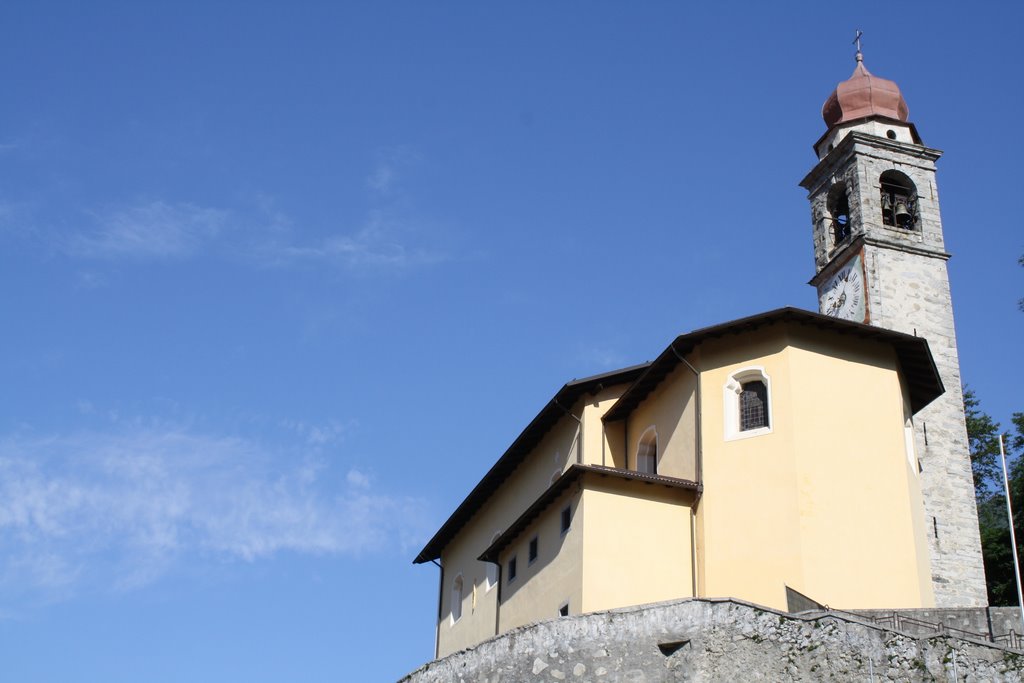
[279, 282]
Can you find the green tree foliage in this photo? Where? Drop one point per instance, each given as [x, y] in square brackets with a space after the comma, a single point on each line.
[983, 435]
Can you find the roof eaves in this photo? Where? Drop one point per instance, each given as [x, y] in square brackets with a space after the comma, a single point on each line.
[661, 366]
[913, 352]
[553, 411]
[553, 492]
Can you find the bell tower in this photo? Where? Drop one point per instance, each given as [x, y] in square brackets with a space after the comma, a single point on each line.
[880, 259]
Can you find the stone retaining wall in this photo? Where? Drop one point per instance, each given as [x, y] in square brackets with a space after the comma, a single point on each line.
[718, 640]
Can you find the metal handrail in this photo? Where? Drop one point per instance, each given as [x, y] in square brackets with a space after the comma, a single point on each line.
[897, 621]
[1013, 640]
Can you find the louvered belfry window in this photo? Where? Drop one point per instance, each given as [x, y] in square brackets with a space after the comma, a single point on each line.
[753, 406]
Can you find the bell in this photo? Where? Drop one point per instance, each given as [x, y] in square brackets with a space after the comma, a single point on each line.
[903, 216]
[886, 201]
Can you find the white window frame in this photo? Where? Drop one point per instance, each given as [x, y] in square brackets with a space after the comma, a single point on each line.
[458, 593]
[908, 445]
[644, 437]
[491, 577]
[731, 402]
[559, 466]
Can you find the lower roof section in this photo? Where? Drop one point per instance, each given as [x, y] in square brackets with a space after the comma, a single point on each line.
[571, 476]
[555, 410]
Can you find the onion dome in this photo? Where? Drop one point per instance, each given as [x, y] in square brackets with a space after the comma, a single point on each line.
[864, 95]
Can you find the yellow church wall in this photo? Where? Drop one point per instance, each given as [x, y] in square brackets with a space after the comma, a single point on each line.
[615, 444]
[919, 520]
[818, 503]
[670, 411]
[600, 448]
[863, 545]
[553, 579]
[749, 530]
[531, 478]
[636, 544]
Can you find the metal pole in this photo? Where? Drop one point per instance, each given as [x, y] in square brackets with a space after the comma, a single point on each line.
[1013, 536]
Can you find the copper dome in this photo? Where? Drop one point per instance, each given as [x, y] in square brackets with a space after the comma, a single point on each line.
[864, 95]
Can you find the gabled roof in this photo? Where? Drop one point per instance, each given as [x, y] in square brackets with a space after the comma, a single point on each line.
[555, 410]
[914, 357]
[913, 353]
[571, 475]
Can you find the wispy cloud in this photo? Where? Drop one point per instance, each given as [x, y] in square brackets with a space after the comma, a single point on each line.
[117, 511]
[358, 479]
[8, 218]
[318, 434]
[163, 231]
[387, 167]
[254, 232]
[382, 177]
[376, 245]
[602, 357]
[88, 279]
[152, 230]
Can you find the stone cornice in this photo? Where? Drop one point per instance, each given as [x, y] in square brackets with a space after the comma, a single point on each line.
[853, 247]
[849, 145]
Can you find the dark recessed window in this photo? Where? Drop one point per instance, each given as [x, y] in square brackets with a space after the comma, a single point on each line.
[899, 200]
[512, 570]
[838, 205]
[563, 611]
[566, 518]
[753, 406]
[891, 134]
[532, 553]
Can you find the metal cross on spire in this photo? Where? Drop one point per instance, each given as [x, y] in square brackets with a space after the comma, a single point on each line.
[856, 41]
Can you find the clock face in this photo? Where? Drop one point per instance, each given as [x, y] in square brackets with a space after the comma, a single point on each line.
[842, 295]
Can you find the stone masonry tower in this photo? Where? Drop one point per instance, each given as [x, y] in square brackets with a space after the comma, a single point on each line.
[880, 258]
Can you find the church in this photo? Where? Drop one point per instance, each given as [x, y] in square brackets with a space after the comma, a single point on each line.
[784, 457]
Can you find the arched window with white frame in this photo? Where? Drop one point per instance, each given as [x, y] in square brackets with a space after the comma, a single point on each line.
[457, 592]
[747, 404]
[559, 466]
[647, 451]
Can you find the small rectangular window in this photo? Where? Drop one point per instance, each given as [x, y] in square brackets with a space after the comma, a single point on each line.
[566, 518]
[533, 550]
[512, 570]
[563, 611]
